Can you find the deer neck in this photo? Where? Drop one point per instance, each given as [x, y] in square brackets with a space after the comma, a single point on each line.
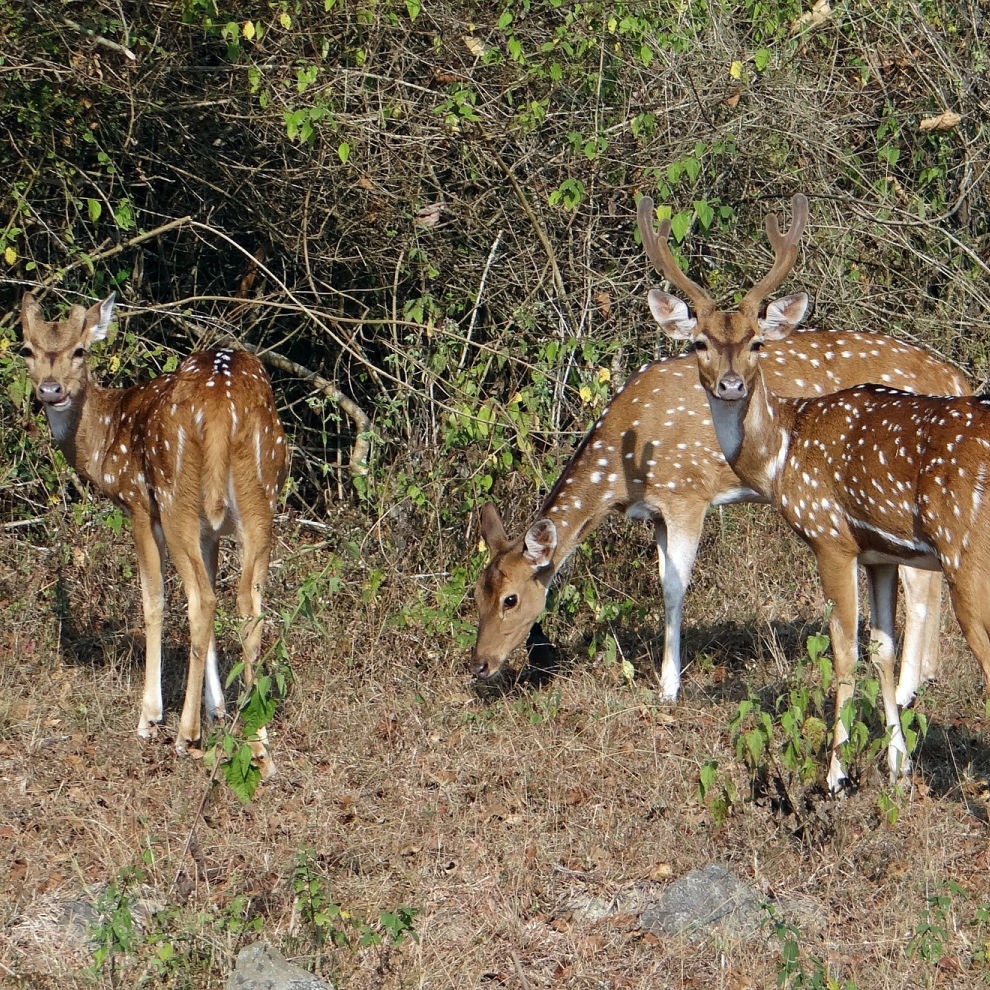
[85, 431]
[575, 510]
[754, 434]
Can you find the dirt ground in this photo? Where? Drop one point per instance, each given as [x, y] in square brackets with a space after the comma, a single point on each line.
[489, 816]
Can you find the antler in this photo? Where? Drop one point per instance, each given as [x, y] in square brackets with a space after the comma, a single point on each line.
[785, 249]
[658, 251]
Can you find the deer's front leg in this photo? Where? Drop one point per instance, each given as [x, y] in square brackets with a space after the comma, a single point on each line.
[150, 544]
[677, 538]
[838, 575]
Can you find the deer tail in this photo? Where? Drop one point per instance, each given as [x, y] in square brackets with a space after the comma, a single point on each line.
[216, 468]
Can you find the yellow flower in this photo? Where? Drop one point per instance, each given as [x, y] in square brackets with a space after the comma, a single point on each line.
[604, 375]
[114, 364]
[585, 392]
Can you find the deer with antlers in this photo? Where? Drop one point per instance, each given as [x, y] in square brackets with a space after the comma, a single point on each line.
[870, 474]
[190, 456]
[653, 455]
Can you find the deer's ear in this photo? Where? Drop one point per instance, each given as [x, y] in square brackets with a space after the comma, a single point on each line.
[30, 310]
[783, 315]
[98, 318]
[671, 315]
[540, 543]
[492, 530]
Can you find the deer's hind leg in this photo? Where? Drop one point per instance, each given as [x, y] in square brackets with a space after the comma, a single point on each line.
[882, 583]
[183, 537]
[216, 707]
[922, 617]
[256, 542]
[149, 542]
[972, 607]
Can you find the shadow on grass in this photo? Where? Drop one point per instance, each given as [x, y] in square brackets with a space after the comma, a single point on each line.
[104, 643]
[725, 652]
[953, 760]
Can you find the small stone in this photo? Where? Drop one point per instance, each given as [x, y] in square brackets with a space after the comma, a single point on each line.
[260, 967]
[703, 900]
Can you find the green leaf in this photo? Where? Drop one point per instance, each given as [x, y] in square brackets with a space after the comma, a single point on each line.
[95, 208]
[705, 212]
[124, 215]
[680, 224]
[259, 708]
[241, 774]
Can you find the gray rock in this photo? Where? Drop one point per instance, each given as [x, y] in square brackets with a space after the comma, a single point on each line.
[260, 967]
[703, 901]
[79, 918]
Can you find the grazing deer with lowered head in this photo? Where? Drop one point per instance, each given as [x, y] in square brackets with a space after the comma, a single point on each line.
[190, 456]
[870, 474]
[654, 455]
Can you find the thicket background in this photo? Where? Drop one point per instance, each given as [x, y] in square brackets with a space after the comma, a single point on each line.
[431, 208]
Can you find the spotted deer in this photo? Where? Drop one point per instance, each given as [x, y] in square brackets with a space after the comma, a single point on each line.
[871, 473]
[654, 455]
[190, 456]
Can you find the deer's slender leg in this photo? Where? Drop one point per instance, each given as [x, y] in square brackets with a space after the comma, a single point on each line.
[972, 607]
[201, 602]
[922, 617]
[215, 705]
[838, 576]
[882, 583]
[677, 542]
[150, 545]
[255, 536]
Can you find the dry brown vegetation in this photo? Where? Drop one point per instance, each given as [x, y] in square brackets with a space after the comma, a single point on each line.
[465, 269]
[492, 817]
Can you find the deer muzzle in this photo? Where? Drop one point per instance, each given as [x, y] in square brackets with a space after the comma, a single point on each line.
[483, 667]
[52, 393]
[731, 387]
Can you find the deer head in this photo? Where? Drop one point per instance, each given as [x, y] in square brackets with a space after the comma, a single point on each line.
[726, 371]
[512, 589]
[55, 351]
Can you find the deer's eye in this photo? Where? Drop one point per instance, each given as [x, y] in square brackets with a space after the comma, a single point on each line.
[700, 346]
[26, 352]
[79, 353]
[510, 601]
[756, 346]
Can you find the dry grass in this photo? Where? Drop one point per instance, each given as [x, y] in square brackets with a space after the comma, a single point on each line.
[497, 818]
